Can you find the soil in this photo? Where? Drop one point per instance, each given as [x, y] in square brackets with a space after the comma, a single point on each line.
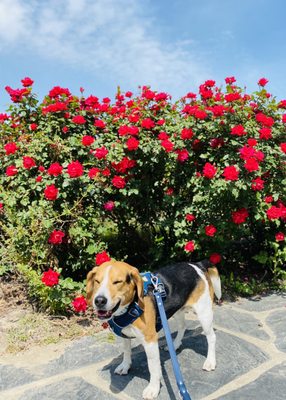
[23, 327]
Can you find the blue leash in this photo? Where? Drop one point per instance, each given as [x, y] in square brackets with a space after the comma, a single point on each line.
[176, 368]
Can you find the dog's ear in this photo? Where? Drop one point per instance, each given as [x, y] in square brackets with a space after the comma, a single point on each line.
[90, 284]
[136, 277]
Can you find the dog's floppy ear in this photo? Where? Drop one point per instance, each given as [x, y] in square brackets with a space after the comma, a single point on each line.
[136, 277]
[90, 284]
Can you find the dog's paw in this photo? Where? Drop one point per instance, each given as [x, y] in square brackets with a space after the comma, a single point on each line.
[209, 365]
[151, 392]
[122, 369]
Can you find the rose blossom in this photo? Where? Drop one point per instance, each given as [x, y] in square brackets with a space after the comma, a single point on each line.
[118, 182]
[109, 205]
[93, 172]
[79, 120]
[51, 192]
[28, 162]
[79, 304]
[10, 148]
[190, 246]
[11, 170]
[55, 169]
[132, 144]
[230, 173]
[27, 82]
[215, 258]
[187, 133]
[210, 230]
[251, 165]
[239, 216]
[102, 257]
[190, 217]
[75, 169]
[257, 184]
[50, 278]
[209, 170]
[283, 147]
[87, 140]
[262, 82]
[183, 155]
[100, 152]
[273, 212]
[56, 237]
[279, 236]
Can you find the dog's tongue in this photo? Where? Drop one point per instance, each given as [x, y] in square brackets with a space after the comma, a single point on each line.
[103, 314]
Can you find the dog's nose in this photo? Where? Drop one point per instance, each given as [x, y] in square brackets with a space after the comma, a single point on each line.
[100, 301]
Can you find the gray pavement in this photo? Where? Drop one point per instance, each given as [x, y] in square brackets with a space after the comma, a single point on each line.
[251, 362]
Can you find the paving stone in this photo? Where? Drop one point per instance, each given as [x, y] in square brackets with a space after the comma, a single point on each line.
[239, 322]
[234, 357]
[11, 376]
[277, 322]
[270, 386]
[70, 389]
[263, 303]
[82, 352]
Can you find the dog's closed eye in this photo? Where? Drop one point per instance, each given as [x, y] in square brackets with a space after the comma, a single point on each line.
[116, 282]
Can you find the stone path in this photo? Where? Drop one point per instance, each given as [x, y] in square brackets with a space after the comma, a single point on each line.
[251, 358]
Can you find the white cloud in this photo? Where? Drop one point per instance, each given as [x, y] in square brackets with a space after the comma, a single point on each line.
[113, 38]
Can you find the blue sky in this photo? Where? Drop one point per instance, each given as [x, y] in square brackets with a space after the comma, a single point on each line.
[172, 45]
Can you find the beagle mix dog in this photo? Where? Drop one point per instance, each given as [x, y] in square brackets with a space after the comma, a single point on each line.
[114, 285]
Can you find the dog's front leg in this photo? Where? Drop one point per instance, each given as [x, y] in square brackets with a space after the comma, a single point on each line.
[124, 367]
[154, 365]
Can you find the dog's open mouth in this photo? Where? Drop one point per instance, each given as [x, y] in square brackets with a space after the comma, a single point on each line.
[104, 314]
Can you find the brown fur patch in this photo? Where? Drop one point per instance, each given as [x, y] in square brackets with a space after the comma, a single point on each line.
[196, 293]
[146, 323]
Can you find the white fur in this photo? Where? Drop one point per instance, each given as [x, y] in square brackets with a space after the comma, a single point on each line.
[204, 311]
[216, 285]
[103, 289]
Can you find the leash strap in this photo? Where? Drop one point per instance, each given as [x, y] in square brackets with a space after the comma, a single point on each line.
[176, 368]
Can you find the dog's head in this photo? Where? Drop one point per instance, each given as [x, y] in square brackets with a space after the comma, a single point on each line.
[112, 286]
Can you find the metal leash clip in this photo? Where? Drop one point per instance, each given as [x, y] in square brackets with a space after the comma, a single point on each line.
[158, 286]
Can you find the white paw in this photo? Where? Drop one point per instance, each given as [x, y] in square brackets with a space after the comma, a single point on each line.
[209, 365]
[151, 392]
[122, 369]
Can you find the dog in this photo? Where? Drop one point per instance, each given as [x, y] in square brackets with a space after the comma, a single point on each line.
[113, 286]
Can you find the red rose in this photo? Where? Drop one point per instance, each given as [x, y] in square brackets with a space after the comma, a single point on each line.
[183, 155]
[39, 179]
[279, 237]
[65, 129]
[55, 169]
[169, 191]
[168, 145]
[100, 258]
[75, 169]
[10, 148]
[252, 142]
[186, 134]
[163, 136]
[190, 246]
[229, 80]
[209, 170]
[230, 173]
[56, 237]
[100, 152]
[79, 120]
[41, 168]
[262, 82]
[33, 127]
[210, 230]
[132, 144]
[200, 114]
[128, 94]
[50, 277]
[147, 123]
[215, 258]
[51, 192]
[268, 199]
[246, 152]
[257, 184]
[274, 212]
[251, 165]
[284, 118]
[11, 170]
[238, 130]
[79, 304]
[99, 124]
[283, 147]
[264, 120]
[27, 82]
[106, 172]
[109, 205]
[239, 216]
[265, 133]
[93, 172]
[87, 140]
[28, 162]
[190, 217]
[118, 182]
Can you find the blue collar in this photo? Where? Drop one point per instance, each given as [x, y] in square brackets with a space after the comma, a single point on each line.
[119, 322]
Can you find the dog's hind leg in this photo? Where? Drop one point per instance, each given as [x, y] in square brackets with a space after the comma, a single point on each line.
[203, 309]
[124, 367]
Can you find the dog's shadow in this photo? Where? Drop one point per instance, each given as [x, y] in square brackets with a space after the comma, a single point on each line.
[193, 340]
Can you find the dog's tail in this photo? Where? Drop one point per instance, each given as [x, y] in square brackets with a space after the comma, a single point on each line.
[215, 280]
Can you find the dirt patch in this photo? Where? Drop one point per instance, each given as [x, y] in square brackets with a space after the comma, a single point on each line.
[22, 327]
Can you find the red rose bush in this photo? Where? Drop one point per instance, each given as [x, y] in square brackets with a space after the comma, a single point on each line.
[144, 177]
